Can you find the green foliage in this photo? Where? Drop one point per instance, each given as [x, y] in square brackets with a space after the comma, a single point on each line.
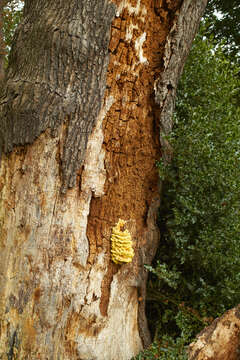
[196, 276]
[11, 18]
[201, 197]
[164, 274]
[168, 349]
[223, 22]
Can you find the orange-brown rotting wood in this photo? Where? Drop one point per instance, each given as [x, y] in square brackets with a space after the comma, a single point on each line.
[131, 134]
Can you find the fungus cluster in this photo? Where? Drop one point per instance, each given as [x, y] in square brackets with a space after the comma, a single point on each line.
[121, 244]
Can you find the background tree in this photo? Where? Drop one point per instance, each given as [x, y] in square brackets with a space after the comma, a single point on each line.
[86, 85]
[10, 14]
[197, 267]
[2, 42]
[223, 24]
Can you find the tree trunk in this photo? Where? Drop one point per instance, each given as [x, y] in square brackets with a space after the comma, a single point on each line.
[220, 340]
[87, 88]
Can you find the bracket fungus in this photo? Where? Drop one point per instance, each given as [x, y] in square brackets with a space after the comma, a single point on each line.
[121, 244]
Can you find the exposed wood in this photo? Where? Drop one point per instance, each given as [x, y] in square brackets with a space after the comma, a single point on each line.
[220, 340]
[61, 296]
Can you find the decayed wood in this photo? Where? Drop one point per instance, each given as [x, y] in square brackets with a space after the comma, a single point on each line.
[61, 297]
[220, 340]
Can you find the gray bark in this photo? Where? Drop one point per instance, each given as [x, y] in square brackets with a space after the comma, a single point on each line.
[59, 63]
[177, 47]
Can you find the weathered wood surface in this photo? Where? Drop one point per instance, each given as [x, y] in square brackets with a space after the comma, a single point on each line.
[220, 340]
[61, 297]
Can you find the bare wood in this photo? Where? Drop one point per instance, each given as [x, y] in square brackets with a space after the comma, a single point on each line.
[220, 340]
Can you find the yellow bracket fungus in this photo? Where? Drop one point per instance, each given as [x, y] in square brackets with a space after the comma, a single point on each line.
[121, 244]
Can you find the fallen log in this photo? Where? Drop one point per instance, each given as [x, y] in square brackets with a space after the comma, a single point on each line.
[220, 340]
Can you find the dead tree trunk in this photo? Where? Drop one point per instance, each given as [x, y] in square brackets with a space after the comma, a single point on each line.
[89, 84]
[220, 340]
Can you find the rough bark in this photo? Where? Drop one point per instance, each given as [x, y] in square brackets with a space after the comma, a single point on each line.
[61, 297]
[220, 340]
[177, 48]
[65, 82]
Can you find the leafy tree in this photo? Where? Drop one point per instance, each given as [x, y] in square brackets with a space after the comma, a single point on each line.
[223, 24]
[10, 15]
[11, 18]
[196, 275]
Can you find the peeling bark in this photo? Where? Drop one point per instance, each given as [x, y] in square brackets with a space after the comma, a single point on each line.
[220, 340]
[82, 99]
